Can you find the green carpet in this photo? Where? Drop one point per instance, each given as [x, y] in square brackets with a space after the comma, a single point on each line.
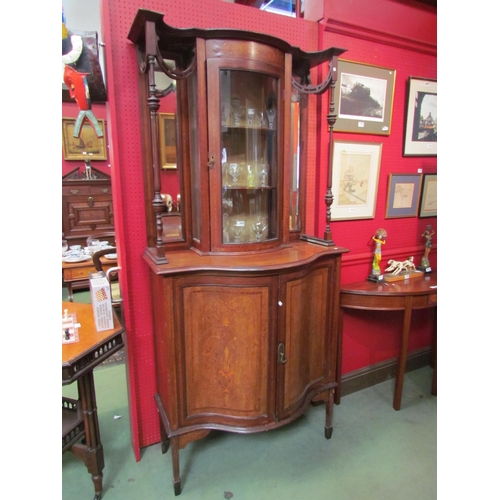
[375, 453]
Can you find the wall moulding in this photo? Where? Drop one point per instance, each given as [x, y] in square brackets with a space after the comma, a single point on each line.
[375, 36]
[350, 260]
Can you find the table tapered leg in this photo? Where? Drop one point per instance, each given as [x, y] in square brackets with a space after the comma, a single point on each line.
[338, 369]
[69, 286]
[329, 414]
[400, 375]
[91, 452]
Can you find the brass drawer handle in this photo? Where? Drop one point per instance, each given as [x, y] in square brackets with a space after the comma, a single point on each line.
[74, 191]
[91, 201]
[105, 190]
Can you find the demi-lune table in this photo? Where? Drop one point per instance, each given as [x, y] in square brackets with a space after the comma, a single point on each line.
[405, 295]
[80, 425]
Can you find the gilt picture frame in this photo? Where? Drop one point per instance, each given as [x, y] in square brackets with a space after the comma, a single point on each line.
[403, 195]
[168, 142]
[365, 95]
[420, 136]
[356, 167]
[428, 199]
[87, 145]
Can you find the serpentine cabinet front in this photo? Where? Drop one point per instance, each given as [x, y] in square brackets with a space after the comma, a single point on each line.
[244, 349]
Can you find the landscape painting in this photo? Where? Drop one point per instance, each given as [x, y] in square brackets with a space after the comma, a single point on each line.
[364, 94]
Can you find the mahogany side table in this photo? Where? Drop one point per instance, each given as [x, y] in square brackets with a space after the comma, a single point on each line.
[80, 425]
[406, 295]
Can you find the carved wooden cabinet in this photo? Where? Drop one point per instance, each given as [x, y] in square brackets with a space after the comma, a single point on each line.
[245, 306]
[87, 206]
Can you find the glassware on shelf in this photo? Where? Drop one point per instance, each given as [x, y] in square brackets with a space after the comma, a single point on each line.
[225, 228]
[259, 226]
[236, 109]
[64, 246]
[250, 117]
[238, 227]
[262, 119]
[271, 115]
[234, 171]
[263, 173]
[250, 175]
[224, 116]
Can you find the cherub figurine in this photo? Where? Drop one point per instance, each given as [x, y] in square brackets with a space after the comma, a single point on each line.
[427, 234]
[379, 239]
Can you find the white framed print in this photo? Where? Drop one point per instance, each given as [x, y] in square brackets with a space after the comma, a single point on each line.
[356, 167]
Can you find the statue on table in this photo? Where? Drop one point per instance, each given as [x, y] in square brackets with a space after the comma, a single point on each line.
[379, 238]
[427, 234]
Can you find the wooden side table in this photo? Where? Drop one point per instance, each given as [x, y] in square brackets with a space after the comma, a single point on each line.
[79, 417]
[419, 293]
[76, 274]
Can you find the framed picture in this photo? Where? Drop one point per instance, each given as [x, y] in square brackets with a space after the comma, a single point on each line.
[88, 142]
[356, 167]
[428, 200]
[168, 150]
[421, 118]
[403, 195]
[365, 95]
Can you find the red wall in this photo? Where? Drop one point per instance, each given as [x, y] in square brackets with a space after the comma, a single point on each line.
[389, 34]
[369, 338]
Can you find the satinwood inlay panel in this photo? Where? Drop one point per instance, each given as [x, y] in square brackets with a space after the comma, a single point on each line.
[226, 350]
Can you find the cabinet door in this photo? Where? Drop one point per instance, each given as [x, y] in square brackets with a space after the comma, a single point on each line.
[244, 135]
[226, 346]
[305, 331]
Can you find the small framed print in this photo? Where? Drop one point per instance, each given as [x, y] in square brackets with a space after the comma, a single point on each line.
[403, 195]
[356, 168]
[420, 137]
[365, 94]
[428, 200]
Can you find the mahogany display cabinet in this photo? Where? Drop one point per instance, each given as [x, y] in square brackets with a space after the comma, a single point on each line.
[245, 306]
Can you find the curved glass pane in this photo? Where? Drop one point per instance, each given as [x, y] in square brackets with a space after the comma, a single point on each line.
[249, 142]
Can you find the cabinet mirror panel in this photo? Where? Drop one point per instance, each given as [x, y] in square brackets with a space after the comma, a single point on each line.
[294, 223]
[169, 158]
[249, 142]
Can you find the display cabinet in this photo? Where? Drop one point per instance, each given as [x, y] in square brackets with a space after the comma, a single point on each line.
[245, 309]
